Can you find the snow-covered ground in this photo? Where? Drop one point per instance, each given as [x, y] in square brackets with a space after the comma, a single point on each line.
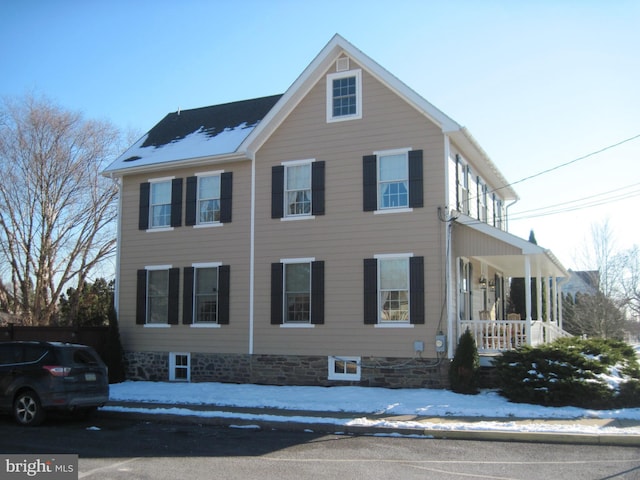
[421, 402]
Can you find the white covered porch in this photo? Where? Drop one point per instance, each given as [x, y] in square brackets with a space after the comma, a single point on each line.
[486, 259]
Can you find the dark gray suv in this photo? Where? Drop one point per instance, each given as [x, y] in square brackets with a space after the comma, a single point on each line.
[40, 376]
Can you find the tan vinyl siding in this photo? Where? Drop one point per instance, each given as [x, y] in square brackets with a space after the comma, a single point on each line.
[474, 243]
[345, 235]
[181, 247]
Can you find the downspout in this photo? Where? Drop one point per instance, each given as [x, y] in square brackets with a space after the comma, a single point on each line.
[448, 293]
[116, 287]
[506, 214]
[252, 252]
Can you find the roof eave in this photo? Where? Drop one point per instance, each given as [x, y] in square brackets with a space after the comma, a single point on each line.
[179, 163]
[475, 153]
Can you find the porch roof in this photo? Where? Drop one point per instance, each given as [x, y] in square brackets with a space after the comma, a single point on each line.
[504, 251]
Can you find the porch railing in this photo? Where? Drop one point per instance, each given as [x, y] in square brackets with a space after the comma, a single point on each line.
[494, 336]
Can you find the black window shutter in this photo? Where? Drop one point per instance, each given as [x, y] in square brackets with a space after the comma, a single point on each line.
[226, 193]
[317, 188]
[277, 191]
[143, 219]
[369, 183]
[224, 278]
[317, 292]
[187, 296]
[416, 290]
[191, 207]
[416, 196]
[141, 298]
[276, 293]
[176, 202]
[370, 291]
[174, 295]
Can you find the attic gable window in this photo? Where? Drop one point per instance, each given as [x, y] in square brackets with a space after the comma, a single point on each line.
[344, 96]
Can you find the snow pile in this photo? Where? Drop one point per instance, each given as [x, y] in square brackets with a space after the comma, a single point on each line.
[360, 400]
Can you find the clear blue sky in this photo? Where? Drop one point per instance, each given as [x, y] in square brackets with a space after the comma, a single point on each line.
[538, 83]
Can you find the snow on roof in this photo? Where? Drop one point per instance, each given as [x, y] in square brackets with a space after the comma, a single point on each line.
[196, 133]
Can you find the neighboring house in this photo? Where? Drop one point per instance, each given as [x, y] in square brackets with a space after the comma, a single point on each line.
[582, 281]
[345, 232]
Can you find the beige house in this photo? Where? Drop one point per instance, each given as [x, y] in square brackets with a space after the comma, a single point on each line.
[345, 232]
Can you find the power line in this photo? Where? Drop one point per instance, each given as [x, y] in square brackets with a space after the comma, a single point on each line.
[576, 160]
[557, 167]
[592, 201]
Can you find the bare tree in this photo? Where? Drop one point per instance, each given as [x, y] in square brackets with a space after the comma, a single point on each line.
[56, 211]
[631, 281]
[599, 314]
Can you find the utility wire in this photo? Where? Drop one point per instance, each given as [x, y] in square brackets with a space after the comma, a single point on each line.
[557, 167]
[571, 205]
[575, 160]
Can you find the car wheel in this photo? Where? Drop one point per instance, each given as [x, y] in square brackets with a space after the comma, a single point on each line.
[27, 409]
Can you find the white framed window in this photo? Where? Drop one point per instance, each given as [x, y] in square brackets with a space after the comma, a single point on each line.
[160, 203]
[208, 199]
[393, 289]
[297, 188]
[157, 295]
[297, 291]
[393, 179]
[344, 95]
[205, 293]
[344, 368]
[179, 367]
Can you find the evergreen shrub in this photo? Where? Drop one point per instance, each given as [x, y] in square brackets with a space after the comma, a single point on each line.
[589, 373]
[464, 371]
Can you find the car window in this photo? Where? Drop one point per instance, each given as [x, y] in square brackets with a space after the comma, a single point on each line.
[33, 353]
[10, 354]
[84, 357]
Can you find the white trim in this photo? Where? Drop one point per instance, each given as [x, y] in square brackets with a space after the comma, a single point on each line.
[205, 325]
[332, 375]
[116, 287]
[206, 264]
[393, 151]
[386, 256]
[252, 253]
[298, 260]
[157, 325]
[160, 229]
[209, 174]
[291, 163]
[157, 267]
[161, 179]
[172, 367]
[208, 225]
[297, 217]
[297, 325]
[394, 325]
[357, 73]
[393, 210]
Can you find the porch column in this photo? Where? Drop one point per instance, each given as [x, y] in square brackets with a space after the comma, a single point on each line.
[554, 298]
[527, 296]
[539, 296]
[560, 306]
[547, 302]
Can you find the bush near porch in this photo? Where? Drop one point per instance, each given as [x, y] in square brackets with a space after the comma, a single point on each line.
[588, 373]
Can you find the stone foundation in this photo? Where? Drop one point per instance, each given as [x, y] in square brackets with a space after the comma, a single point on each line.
[291, 370]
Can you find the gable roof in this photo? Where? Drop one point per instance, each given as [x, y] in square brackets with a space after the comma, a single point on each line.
[244, 139]
[196, 133]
